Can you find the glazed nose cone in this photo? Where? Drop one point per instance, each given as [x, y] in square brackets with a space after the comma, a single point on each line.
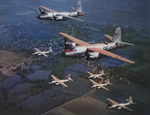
[38, 17]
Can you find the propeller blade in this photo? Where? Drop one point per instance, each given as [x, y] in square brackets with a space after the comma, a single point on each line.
[61, 45]
[87, 57]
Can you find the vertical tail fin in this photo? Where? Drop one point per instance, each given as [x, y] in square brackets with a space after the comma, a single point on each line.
[117, 37]
[102, 71]
[108, 82]
[50, 49]
[130, 101]
[69, 78]
[78, 7]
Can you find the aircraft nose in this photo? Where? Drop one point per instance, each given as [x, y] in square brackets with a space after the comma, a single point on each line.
[38, 17]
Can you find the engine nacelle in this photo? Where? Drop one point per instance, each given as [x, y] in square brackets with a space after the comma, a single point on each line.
[98, 87]
[93, 54]
[57, 83]
[73, 44]
[118, 107]
[70, 45]
[58, 17]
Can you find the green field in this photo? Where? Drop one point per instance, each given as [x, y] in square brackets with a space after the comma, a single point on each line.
[139, 67]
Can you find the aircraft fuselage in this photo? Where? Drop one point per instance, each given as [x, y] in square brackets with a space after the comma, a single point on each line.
[65, 80]
[95, 76]
[99, 85]
[118, 107]
[57, 15]
[81, 50]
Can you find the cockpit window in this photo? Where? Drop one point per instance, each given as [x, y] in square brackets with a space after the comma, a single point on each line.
[68, 46]
[43, 12]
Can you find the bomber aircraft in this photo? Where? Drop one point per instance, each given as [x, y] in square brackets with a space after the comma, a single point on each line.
[115, 105]
[57, 81]
[91, 75]
[78, 47]
[48, 14]
[99, 85]
[39, 52]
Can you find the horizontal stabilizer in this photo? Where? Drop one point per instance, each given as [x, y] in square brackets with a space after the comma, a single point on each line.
[73, 8]
[125, 43]
[134, 103]
[109, 37]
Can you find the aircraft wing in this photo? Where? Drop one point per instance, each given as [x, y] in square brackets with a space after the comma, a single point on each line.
[44, 54]
[47, 9]
[93, 82]
[125, 107]
[89, 73]
[104, 52]
[69, 17]
[37, 50]
[108, 36]
[115, 103]
[57, 80]
[104, 88]
[73, 39]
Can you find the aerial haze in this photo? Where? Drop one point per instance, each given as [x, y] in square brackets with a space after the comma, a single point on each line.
[28, 92]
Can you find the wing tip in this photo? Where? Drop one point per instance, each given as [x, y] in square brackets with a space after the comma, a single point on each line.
[132, 62]
[107, 98]
[61, 33]
[41, 6]
[65, 85]
[130, 109]
[128, 61]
